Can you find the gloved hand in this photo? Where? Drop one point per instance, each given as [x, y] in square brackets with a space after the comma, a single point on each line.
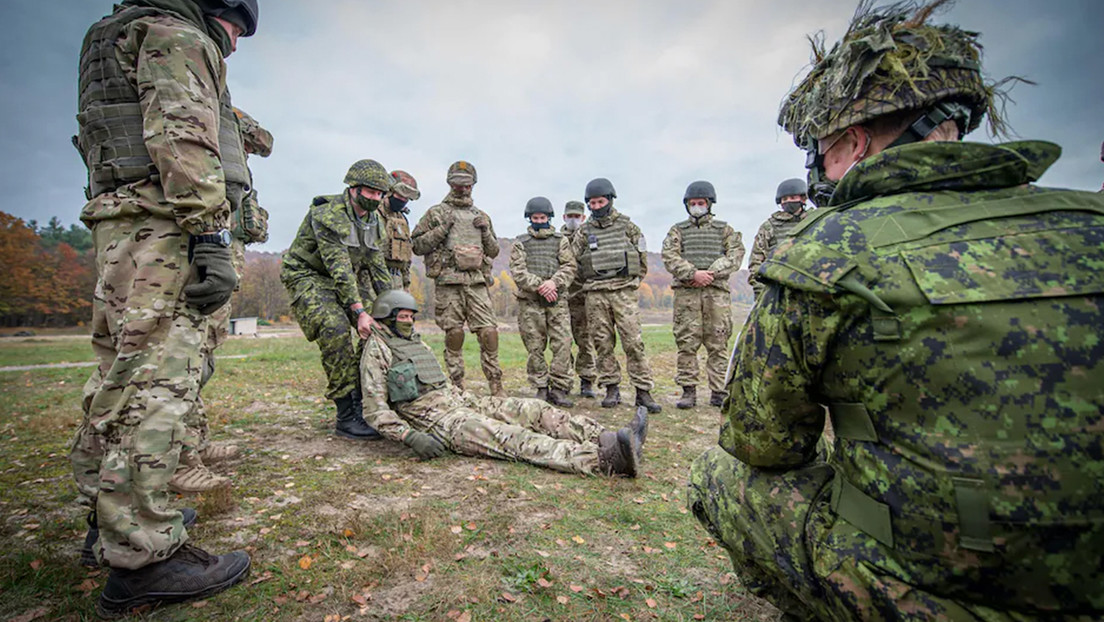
[480, 222]
[216, 277]
[425, 445]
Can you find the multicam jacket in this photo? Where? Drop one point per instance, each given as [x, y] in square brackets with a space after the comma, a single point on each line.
[720, 250]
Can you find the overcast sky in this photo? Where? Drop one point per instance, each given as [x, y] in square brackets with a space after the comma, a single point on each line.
[540, 96]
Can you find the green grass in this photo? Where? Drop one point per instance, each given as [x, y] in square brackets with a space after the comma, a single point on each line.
[398, 538]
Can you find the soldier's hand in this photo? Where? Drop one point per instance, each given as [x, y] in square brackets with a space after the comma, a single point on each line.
[365, 324]
[548, 290]
[702, 278]
[425, 445]
[216, 277]
[480, 222]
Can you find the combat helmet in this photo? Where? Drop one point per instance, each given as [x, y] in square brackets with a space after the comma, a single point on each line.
[539, 205]
[461, 173]
[600, 187]
[242, 13]
[700, 190]
[574, 207]
[368, 173]
[791, 187]
[405, 186]
[390, 301]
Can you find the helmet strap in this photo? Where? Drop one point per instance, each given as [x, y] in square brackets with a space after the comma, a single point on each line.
[922, 127]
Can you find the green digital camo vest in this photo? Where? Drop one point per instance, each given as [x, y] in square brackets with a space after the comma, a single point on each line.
[702, 246]
[608, 252]
[967, 405]
[414, 369]
[542, 255]
[110, 139]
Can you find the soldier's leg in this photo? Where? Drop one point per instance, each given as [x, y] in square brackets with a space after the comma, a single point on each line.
[146, 383]
[482, 322]
[625, 305]
[717, 320]
[449, 316]
[538, 416]
[531, 327]
[600, 323]
[586, 366]
[688, 323]
[559, 338]
[324, 322]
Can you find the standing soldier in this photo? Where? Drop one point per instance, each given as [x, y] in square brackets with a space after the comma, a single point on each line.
[542, 265]
[333, 269]
[585, 367]
[610, 251]
[791, 195]
[397, 250]
[701, 253]
[150, 93]
[458, 243]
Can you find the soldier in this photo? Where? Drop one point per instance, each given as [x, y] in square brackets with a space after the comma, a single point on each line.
[791, 195]
[398, 251]
[610, 251]
[459, 243]
[542, 265]
[150, 93]
[408, 399]
[945, 312]
[701, 253]
[249, 224]
[585, 366]
[333, 268]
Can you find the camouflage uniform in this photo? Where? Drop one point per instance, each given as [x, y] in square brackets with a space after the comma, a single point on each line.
[447, 238]
[612, 303]
[586, 365]
[542, 324]
[702, 315]
[512, 428]
[398, 251]
[773, 230]
[333, 263]
[162, 74]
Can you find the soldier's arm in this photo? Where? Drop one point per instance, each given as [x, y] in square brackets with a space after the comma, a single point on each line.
[672, 256]
[335, 258]
[733, 256]
[256, 139]
[374, 363]
[489, 239]
[578, 245]
[568, 267]
[758, 251]
[526, 281]
[635, 236]
[429, 234]
[179, 79]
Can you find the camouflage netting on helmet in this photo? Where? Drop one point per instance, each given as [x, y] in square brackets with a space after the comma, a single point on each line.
[890, 60]
[368, 173]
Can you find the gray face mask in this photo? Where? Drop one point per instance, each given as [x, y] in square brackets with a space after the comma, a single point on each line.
[573, 223]
[697, 211]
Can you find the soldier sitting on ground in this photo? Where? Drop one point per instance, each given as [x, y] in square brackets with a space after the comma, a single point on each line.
[408, 398]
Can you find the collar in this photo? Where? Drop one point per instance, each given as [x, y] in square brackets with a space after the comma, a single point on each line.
[607, 221]
[543, 233]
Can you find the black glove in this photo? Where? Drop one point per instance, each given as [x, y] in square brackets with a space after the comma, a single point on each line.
[216, 275]
[425, 445]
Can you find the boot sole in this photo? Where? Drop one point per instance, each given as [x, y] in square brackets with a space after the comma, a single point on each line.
[375, 437]
[108, 609]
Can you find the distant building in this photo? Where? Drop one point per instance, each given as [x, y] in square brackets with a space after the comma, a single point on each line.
[243, 326]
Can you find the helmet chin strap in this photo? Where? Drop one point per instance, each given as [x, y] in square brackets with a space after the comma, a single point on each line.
[922, 127]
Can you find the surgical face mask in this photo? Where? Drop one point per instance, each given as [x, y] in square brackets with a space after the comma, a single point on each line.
[537, 226]
[793, 207]
[395, 204]
[573, 223]
[403, 329]
[697, 211]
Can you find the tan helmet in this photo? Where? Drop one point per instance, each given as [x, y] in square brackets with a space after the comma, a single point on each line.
[461, 173]
[406, 187]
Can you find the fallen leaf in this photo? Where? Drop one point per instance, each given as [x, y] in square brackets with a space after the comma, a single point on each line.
[575, 588]
[456, 529]
[464, 617]
[698, 616]
[347, 564]
[638, 500]
[696, 598]
[261, 579]
[562, 600]
[670, 545]
[302, 543]
[648, 549]
[459, 557]
[507, 597]
[351, 549]
[199, 604]
[360, 600]
[86, 586]
[348, 533]
[453, 614]
[624, 616]
[317, 598]
[470, 526]
[726, 578]
[635, 527]
[32, 614]
[650, 602]
[36, 564]
[544, 582]
[265, 531]
[407, 537]
[305, 562]
[578, 540]
[621, 591]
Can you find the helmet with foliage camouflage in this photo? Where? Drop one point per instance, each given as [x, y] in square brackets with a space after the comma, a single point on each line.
[391, 301]
[405, 185]
[892, 60]
[574, 207]
[368, 173]
[700, 190]
[789, 188]
[600, 187]
[539, 205]
[461, 173]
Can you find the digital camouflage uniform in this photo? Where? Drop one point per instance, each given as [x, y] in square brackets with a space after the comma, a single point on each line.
[610, 280]
[512, 428]
[702, 315]
[333, 263]
[538, 256]
[773, 230]
[157, 181]
[398, 251]
[586, 365]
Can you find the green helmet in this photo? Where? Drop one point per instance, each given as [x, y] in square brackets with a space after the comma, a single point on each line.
[574, 207]
[368, 173]
[700, 190]
[539, 205]
[461, 173]
[390, 301]
[600, 187]
[791, 187]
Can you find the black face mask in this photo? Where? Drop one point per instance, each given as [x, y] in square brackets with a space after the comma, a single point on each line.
[793, 207]
[537, 226]
[602, 212]
[395, 204]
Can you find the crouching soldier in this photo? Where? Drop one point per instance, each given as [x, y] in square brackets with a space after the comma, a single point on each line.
[408, 398]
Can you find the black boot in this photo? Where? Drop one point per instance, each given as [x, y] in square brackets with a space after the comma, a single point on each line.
[542, 394]
[557, 397]
[717, 398]
[88, 557]
[350, 422]
[644, 398]
[613, 396]
[689, 397]
[190, 573]
[618, 453]
[586, 388]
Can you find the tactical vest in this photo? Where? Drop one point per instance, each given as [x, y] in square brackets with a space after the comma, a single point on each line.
[465, 240]
[702, 245]
[542, 255]
[398, 235]
[414, 369]
[783, 228]
[608, 252]
[232, 154]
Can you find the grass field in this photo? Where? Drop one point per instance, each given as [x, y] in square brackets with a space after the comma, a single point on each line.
[345, 530]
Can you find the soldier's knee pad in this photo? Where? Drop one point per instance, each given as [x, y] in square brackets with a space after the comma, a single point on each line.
[454, 339]
[488, 339]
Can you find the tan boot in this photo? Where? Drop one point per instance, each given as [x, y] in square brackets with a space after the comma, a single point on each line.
[219, 453]
[196, 478]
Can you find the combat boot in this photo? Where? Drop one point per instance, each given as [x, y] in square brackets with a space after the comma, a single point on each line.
[644, 398]
[542, 394]
[192, 475]
[717, 398]
[218, 453]
[190, 573]
[88, 557]
[613, 396]
[586, 388]
[556, 397]
[350, 422]
[689, 398]
[496, 388]
[618, 453]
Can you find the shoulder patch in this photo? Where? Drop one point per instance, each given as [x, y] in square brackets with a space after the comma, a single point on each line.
[807, 265]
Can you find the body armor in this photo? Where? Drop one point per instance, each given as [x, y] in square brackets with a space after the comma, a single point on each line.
[398, 235]
[414, 369]
[542, 255]
[465, 241]
[702, 245]
[608, 252]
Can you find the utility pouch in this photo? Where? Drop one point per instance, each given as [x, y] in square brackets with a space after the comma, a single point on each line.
[402, 382]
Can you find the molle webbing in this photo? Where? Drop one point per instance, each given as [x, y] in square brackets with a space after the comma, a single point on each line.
[231, 149]
[542, 255]
[702, 245]
[430, 375]
[608, 253]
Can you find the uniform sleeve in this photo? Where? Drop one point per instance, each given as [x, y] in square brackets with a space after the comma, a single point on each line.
[733, 256]
[179, 79]
[490, 240]
[256, 139]
[429, 234]
[672, 256]
[566, 273]
[759, 250]
[374, 363]
[526, 281]
[634, 238]
[335, 257]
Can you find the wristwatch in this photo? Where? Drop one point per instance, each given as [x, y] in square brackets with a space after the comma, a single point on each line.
[221, 237]
[358, 311]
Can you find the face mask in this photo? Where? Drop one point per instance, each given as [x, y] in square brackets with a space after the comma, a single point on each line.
[366, 204]
[461, 192]
[602, 212]
[573, 223]
[793, 207]
[403, 329]
[697, 211]
[395, 204]
[537, 226]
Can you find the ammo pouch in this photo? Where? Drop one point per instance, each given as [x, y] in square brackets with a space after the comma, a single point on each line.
[468, 257]
[402, 382]
[254, 219]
